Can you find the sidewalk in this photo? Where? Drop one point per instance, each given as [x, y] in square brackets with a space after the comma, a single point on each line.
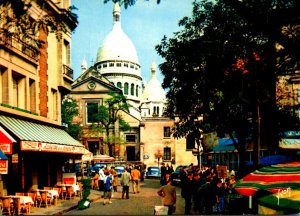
[64, 205]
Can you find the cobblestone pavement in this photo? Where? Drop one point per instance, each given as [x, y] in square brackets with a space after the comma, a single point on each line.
[138, 204]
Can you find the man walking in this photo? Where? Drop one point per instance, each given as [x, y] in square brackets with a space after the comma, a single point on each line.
[125, 182]
[135, 176]
[168, 194]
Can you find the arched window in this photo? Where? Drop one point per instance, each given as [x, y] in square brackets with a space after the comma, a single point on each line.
[132, 89]
[126, 88]
[137, 91]
[157, 110]
[119, 85]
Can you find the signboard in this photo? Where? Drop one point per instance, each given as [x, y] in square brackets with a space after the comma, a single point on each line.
[3, 166]
[50, 147]
[222, 171]
[6, 148]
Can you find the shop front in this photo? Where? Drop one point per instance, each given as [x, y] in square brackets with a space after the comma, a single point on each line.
[37, 155]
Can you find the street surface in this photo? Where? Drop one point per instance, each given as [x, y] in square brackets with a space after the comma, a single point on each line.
[138, 204]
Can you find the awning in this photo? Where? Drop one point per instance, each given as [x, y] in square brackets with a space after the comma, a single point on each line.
[6, 141]
[87, 156]
[103, 158]
[39, 137]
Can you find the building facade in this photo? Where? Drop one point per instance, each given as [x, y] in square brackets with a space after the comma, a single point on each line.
[33, 81]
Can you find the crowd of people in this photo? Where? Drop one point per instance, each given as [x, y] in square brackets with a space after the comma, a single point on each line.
[204, 190]
[107, 180]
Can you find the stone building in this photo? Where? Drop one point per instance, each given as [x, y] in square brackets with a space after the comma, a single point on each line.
[33, 82]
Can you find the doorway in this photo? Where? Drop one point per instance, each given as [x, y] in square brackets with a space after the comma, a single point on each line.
[130, 150]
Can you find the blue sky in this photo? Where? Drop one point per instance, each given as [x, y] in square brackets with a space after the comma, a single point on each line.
[145, 23]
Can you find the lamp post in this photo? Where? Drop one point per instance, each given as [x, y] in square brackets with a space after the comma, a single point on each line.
[199, 147]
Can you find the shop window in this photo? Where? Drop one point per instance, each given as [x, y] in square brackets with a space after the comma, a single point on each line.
[167, 153]
[130, 138]
[167, 132]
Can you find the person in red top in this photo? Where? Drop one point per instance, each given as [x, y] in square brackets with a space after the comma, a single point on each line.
[135, 176]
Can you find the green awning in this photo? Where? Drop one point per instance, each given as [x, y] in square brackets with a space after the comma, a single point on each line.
[34, 132]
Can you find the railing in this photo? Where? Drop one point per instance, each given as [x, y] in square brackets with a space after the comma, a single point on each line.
[68, 71]
[18, 44]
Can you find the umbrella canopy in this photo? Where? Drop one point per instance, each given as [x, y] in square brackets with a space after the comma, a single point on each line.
[103, 158]
[270, 178]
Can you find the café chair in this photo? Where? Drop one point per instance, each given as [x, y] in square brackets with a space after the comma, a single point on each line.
[63, 192]
[56, 197]
[6, 206]
[70, 192]
[33, 197]
[44, 200]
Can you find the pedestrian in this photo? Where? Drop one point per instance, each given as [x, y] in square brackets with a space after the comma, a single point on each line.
[101, 178]
[125, 182]
[95, 180]
[107, 188]
[187, 192]
[207, 196]
[220, 197]
[168, 194]
[135, 176]
[163, 171]
[115, 180]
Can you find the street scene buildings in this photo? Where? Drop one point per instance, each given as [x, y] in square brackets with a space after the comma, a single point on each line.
[122, 118]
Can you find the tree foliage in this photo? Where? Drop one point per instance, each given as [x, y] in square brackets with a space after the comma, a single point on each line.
[107, 116]
[224, 64]
[69, 110]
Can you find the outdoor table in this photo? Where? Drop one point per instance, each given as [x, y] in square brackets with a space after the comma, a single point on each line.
[51, 193]
[75, 186]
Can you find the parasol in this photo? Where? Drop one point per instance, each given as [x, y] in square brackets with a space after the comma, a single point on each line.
[270, 178]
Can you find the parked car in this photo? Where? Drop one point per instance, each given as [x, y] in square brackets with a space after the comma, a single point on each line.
[97, 166]
[77, 168]
[119, 170]
[175, 175]
[153, 172]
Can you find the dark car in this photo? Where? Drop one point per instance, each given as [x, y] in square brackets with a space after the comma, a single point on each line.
[77, 168]
[153, 172]
[119, 170]
[175, 175]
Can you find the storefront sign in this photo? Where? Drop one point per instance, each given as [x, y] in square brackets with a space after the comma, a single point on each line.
[6, 148]
[15, 158]
[289, 143]
[3, 166]
[49, 147]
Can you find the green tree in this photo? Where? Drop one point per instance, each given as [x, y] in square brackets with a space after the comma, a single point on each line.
[108, 115]
[69, 110]
[223, 65]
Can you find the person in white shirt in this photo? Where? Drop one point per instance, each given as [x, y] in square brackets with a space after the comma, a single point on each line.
[101, 178]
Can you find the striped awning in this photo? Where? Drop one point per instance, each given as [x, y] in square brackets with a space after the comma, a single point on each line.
[38, 137]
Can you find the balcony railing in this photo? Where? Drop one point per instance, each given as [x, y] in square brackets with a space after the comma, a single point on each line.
[15, 43]
[68, 71]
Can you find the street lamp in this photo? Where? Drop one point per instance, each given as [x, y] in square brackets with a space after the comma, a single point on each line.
[199, 147]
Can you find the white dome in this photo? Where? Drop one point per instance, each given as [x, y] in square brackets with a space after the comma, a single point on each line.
[153, 90]
[117, 45]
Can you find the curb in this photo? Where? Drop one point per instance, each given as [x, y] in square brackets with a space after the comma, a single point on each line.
[75, 206]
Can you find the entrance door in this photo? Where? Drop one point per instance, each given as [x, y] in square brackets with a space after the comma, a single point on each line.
[130, 153]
